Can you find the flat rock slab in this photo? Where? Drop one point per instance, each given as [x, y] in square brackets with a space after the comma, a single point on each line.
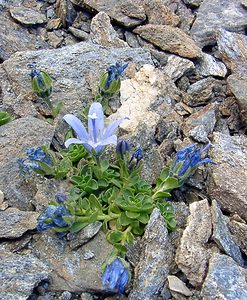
[225, 280]
[192, 256]
[213, 15]
[222, 235]
[170, 39]
[155, 260]
[125, 12]
[227, 184]
[19, 275]
[27, 16]
[15, 138]
[73, 270]
[14, 223]
[76, 70]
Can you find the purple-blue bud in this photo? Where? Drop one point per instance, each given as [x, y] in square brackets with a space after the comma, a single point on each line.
[122, 148]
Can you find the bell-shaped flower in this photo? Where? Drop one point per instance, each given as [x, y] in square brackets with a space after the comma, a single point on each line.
[115, 277]
[97, 136]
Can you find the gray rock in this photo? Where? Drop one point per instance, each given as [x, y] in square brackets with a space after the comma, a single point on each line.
[54, 40]
[239, 232]
[80, 34]
[176, 67]
[66, 12]
[213, 15]
[131, 39]
[205, 117]
[14, 37]
[85, 235]
[225, 280]
[15, 137]
[27, 16]
[222, 235]
[86, 296]
[125, 12]
[177, 285]
[209, 66]
[159, 14]
[70, 271]
[170, 39]
[19, 275]
[14, 223]
[192, 255]
[65, 296]
[201, 91]
[199, 134]
[244, 3]
[233, 50]
[76, 70]
[155, 260]
[103, 33]
[227, 184]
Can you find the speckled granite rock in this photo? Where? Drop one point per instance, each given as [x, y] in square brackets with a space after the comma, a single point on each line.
[225, 280]
[222, 235]
[14, 223]
[19, 275]
[213, 15]
[227, 181]
[192, 256]
[155, 260]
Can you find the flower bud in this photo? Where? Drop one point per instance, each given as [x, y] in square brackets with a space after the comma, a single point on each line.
[41, 83]
[122, 148]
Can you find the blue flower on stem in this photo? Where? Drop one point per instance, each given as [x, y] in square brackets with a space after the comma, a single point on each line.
[52, 217]
[114, 72]
[187, 160]
[136, 157]
[115, 277]
[97, 136]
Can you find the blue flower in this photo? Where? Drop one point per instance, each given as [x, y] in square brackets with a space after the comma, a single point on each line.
[38, 155]
[187, 160]
[114, 72]
[115, 277]
[122, 148]
[31, 162]
[97, 136]
[52, 217]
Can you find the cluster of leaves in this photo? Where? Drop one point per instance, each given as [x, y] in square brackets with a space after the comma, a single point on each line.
[113, 194]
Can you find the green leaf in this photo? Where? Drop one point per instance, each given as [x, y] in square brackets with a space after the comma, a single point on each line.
[120, 248]
[144, 218]
[4, 118]
[170, 183]
[104, 164]
[132, 215]
[49, 170]
[164, 173]
[77, 226]
[114, 236]
[124, 220]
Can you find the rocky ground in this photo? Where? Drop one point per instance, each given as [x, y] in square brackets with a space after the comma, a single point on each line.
[185, 82]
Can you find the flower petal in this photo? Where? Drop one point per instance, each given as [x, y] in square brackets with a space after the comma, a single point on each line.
[111, 140]
[111, 128]
[72, 141]
[96, 120]
[78, 127]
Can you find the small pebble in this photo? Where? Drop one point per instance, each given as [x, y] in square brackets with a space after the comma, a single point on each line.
[88, 255]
